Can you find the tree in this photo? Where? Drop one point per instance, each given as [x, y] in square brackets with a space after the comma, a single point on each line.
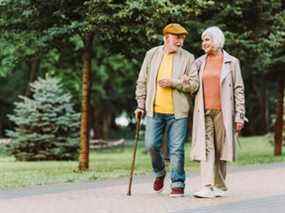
[85, 127]
[135, 26]
[47, 125]
[277, 74]
[51, 22]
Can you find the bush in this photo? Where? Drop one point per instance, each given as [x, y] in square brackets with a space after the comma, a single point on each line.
[47, 127]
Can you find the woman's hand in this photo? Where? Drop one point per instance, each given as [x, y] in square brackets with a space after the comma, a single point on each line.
[239, 126]
[184, 79]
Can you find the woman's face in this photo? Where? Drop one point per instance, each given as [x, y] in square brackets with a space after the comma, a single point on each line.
[208, 44]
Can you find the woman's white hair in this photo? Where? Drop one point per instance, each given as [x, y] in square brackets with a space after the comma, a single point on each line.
[216, 34]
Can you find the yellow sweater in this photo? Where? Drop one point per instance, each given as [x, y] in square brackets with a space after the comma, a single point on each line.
[163, 99]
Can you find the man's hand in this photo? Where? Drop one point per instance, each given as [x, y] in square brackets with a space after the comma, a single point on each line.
[165, 83]
[139, 113]
[239, 126]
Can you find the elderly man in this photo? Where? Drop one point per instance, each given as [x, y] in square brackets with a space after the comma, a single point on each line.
[164, 98]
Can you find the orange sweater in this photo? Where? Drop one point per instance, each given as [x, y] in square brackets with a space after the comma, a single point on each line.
[211, 82]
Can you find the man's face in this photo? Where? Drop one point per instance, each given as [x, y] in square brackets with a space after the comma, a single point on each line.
[174, 42]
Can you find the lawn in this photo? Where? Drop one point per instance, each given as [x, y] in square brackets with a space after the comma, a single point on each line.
[114, 163]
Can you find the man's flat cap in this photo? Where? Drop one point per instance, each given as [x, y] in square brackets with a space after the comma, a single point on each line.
[175, 29]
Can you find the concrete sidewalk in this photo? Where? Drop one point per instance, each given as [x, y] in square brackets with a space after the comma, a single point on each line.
[252, 189]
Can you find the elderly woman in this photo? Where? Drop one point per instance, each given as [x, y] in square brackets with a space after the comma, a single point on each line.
[218, 113]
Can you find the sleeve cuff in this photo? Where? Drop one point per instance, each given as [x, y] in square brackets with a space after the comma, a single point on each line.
[240, 118]
[141, 105]
[175, 82]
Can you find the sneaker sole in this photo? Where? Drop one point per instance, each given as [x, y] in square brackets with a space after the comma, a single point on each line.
[219, 195]
[159, 191]
[176, 195]
[198, 196]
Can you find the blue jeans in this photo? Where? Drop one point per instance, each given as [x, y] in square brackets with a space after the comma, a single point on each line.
[176, 136]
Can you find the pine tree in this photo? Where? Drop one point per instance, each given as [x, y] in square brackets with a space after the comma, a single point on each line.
[47, 127]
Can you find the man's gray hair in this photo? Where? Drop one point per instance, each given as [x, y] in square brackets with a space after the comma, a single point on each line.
[216, 34]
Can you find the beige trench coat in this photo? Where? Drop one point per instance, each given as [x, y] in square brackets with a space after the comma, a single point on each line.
[233, 108]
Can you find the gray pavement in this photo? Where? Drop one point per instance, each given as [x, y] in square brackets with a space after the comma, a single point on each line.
[274, 204]
[252, 189]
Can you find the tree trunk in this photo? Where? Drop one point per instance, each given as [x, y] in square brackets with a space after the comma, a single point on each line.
[1, 127]
[97, 126]
[34, 66]
[264, 111]
[93, 118]
[279, 120]
[107, 120]
[86, 77]
[260, 94]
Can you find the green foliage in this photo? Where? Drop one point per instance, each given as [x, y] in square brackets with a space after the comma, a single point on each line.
[135, 26]
[113, 79]
[47, 126]
[13, 84]
[48, 30]
[124, 30]
[33, 28]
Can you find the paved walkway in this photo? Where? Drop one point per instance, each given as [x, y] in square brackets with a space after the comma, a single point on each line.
[252, 189]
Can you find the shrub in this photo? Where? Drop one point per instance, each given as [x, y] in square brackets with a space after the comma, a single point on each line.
[47, 127]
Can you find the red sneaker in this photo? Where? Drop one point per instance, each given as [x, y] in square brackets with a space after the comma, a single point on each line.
[177, 192]
[158, 184]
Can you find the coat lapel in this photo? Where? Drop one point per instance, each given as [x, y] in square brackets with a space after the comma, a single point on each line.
[157, 61]
[225, 68]
[176, 65]
[202, 67]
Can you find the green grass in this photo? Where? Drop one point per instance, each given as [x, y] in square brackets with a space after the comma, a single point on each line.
[256, 150]
[105, 164]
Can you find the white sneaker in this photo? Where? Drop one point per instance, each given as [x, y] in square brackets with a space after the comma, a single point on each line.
[218, 192]
[205, 192]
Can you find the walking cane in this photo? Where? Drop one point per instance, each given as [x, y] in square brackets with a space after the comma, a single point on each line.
[138, 125]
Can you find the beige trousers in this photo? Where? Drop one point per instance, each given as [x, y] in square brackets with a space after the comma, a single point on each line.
[213, 170]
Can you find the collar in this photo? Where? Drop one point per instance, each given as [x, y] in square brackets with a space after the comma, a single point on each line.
[227, 57]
